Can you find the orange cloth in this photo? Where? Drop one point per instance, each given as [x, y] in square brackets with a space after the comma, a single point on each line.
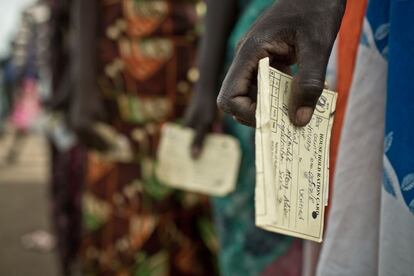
[348, 39]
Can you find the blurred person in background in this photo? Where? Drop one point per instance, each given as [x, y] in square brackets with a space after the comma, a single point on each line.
[125, 67]
[244, 248]
[24, 75]
[67, 155]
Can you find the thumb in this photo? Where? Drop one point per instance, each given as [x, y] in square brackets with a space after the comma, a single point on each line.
[308, 84]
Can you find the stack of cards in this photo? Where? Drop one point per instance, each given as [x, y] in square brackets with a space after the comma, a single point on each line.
[292, 163]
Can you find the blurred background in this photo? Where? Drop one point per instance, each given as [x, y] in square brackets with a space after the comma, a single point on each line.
[85, 87]
[25, 232]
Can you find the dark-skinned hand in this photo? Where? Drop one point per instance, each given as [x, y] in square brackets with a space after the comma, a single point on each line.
[201, 113]
[200, 116]
[291, 31]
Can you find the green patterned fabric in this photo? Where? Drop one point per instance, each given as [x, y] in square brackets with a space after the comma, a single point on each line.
[245, 249]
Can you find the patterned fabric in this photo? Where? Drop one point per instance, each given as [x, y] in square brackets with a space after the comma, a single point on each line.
[400, 104]
[397, 206]
[378, 239]
[246, 249]
[134, 225]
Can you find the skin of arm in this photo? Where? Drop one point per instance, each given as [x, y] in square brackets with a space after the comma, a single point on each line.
[86, 105]
[218, 22]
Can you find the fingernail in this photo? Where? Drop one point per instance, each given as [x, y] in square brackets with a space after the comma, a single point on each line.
[303, 115]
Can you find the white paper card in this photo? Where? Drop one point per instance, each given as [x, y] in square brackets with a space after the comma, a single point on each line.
[292, 164]
[213, 173]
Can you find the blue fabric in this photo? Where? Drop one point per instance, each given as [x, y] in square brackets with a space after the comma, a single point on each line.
[400, 99]
[392, 24]
[378, 17]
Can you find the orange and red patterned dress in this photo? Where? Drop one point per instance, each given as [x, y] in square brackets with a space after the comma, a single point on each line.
[133, 224]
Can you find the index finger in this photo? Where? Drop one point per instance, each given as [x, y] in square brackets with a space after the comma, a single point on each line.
[234, 95]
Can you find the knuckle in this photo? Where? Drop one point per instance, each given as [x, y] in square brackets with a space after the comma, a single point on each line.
[254, 42]
[312, 86]
[311, 89]
[251, 43]
[224, 104]
[322, 42]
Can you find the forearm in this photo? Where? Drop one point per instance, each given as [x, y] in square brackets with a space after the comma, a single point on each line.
[219, 22]
[84, 57]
